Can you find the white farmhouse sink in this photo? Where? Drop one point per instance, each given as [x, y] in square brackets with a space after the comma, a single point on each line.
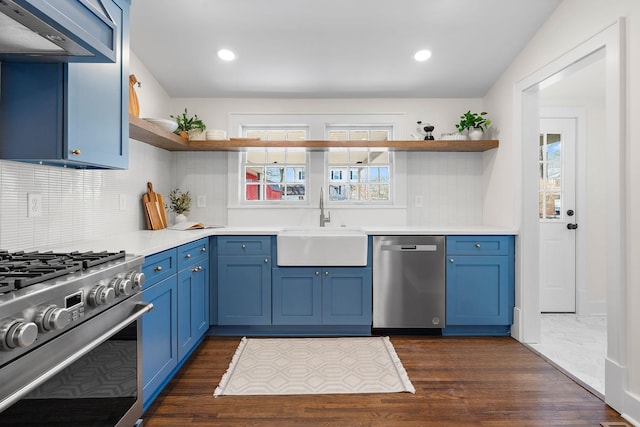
[322, 246]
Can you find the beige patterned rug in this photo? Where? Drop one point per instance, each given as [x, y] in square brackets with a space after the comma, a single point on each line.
[264, 366]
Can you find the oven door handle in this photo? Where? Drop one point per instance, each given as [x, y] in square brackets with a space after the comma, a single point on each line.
[141, 308]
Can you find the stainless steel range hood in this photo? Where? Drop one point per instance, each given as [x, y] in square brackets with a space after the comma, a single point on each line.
[65, 31]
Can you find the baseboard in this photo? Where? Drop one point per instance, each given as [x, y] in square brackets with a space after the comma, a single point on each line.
[631, 408]
[615, 384]
[516, 330]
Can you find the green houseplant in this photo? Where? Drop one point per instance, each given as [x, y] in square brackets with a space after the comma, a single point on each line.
[475, 123]
[180, 203]
[187, 123]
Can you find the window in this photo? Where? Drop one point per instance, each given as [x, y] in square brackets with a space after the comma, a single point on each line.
[359, 175]
[275, 174]
[550, 162]
[279, 175]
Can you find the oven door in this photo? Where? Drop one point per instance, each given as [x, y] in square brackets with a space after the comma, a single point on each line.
[89, 376]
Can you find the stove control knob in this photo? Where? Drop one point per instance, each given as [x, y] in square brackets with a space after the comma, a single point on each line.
[17, 333]
[101, 295]
[122, 286]
[52, 318]
[137, 279]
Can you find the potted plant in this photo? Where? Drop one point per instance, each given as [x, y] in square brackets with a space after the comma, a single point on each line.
[474, 123]
[180, 203]
[188, 126]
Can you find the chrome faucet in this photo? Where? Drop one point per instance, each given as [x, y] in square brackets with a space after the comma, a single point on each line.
[323, 219]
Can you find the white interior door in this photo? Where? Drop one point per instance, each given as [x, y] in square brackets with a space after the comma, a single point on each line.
[558, 216]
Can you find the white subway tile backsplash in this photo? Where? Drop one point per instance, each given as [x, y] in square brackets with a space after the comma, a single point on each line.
[85, 204]
[77, 204]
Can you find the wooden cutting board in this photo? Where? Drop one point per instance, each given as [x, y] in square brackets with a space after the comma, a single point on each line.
[154, 211]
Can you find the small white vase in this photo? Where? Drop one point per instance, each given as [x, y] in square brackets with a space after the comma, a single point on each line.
[180, 218]
[475, 134]
[197, 135]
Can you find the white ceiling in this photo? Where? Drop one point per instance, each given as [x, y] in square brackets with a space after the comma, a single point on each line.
[332, 48]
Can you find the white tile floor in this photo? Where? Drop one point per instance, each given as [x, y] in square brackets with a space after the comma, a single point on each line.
[577, 344]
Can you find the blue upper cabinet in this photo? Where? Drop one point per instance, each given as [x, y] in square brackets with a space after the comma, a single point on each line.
[75, 30]
[69, 114]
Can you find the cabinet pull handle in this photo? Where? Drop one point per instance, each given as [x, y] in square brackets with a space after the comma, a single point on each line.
[266, 260]
[326, 273]
[203, 249]
[187, 256]
[75, 152]
[244, 246]
[477, 245]
[198, 268]
[158, 268]
[451, 260]
[317, 273]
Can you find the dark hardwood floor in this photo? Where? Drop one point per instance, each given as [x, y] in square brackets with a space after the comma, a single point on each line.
[459, 382]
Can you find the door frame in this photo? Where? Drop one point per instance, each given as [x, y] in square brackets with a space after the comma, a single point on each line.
[526, 128]
[580, 116]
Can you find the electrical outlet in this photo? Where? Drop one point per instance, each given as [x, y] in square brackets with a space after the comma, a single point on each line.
[202, 202]
[419, 201]
[34, 202]
[123, 202]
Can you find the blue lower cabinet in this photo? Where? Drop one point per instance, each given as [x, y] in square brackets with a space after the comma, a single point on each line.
[159, 337]
[297, 296]
[346, 296]
[177, 283]
[322, 296]
[479, 285]
[244, 290]
[193, 307]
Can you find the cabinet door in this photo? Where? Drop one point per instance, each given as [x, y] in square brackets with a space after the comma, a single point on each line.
[81, 110]
[297, 296]
[97, 122]
[244, 290]
[193, 309]
[478, 290]
[346, 295]
[159, 337]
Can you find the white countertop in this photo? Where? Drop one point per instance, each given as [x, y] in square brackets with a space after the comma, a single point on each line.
[147, 242]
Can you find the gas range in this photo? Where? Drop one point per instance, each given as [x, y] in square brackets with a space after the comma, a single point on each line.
[70, 338]
[43, 294]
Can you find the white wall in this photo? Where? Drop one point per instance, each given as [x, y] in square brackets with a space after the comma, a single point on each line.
[573, 22]
[450, 183]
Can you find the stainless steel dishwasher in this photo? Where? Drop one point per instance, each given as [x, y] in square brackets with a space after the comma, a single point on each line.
[408, 282]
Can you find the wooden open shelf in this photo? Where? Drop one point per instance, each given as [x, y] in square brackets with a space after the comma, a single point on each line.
[149, 133]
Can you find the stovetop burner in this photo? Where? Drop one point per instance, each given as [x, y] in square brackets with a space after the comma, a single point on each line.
[22, 269]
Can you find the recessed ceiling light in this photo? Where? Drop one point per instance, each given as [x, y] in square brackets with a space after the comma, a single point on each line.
[226, 55]
[422, 55]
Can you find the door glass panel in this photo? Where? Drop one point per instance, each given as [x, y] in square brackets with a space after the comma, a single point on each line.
[550, 186]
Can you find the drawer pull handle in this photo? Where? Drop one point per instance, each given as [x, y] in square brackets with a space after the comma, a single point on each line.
[266, 260]
[198, 268]
[203, 249]
[187, 256]
[317, 273]
[451, 260]
[244, 246]
[326, 273]
[75, 152]
[477, 245]
[158, 268]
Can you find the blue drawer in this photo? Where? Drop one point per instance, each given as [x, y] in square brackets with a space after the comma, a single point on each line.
[479, 245]
[244, 245]
[159, 266]
[192, 253]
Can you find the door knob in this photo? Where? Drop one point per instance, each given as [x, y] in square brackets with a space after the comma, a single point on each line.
[572, 226]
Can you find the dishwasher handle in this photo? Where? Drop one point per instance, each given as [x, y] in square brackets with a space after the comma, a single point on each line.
[410, 248]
